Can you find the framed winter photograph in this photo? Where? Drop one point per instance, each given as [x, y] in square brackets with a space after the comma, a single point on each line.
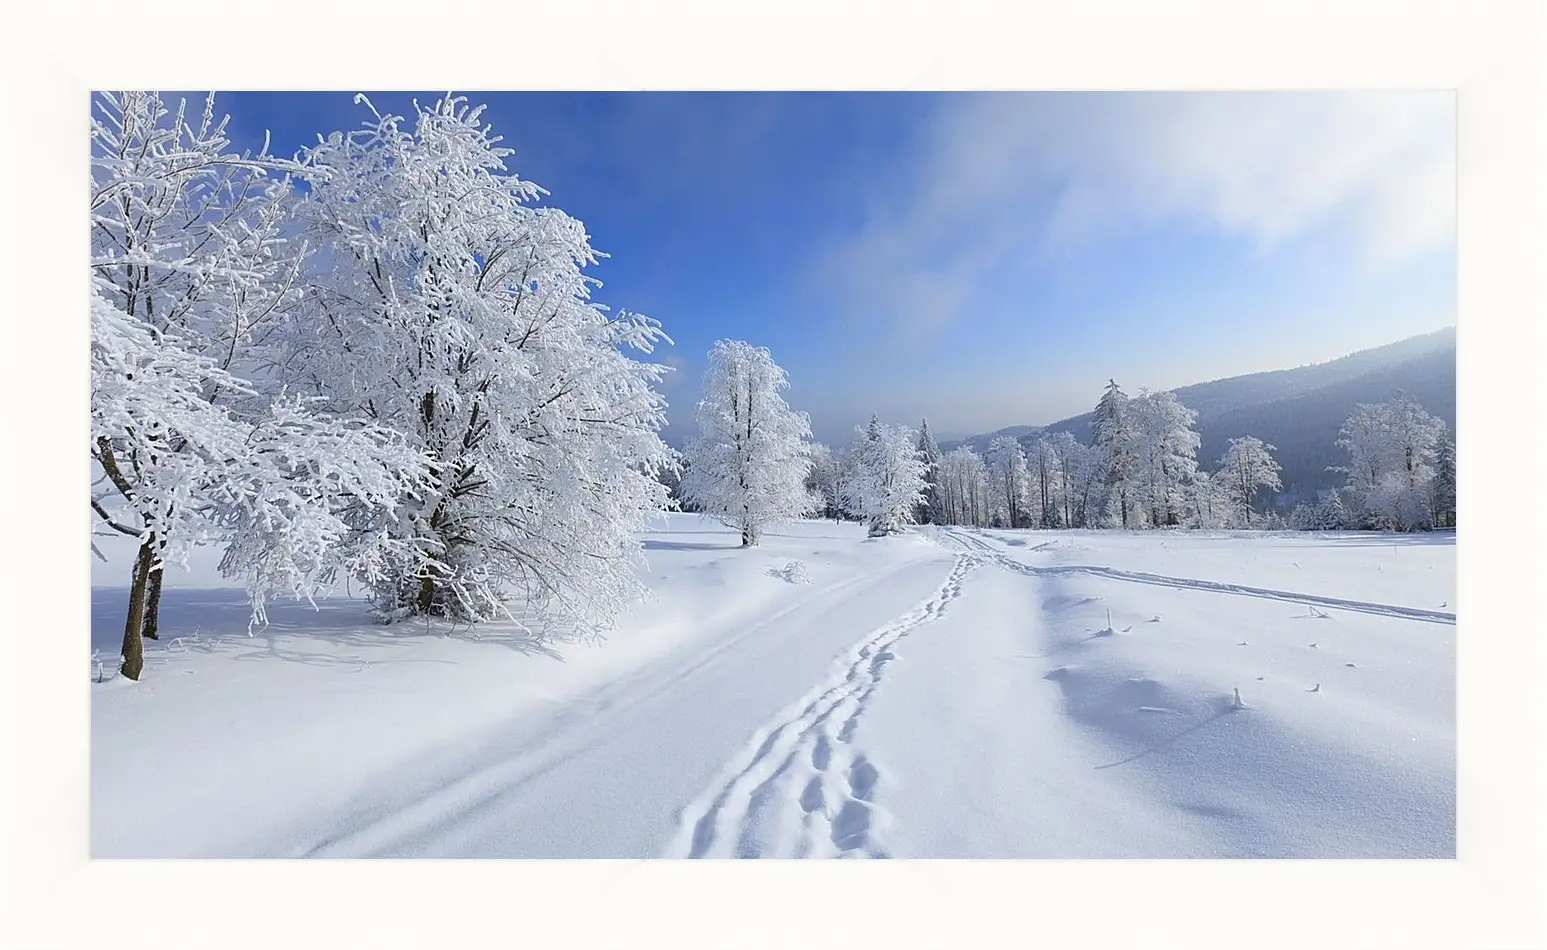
[363, 421]
[943, 474]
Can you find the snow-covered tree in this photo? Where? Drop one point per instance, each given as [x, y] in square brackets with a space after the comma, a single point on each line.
[930, 511]
[1393, 447]
[823, 481]
[1443, 486]
[981, 496]
[1330, 514]
[1324, 515]
[1303, 517]
[951, 494]
[1207, 506]
[830, 475]
[1079, 478]
[1011, 479]
[1114, 438]
[887, 481]
[1046, 488]
[450, 306]
[193, 280]
[964, 487]
[1167, 451]
[1246, 469]
[671, 478]
[750, 460]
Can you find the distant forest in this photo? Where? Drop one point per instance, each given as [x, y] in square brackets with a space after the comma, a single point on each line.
[1298, 411]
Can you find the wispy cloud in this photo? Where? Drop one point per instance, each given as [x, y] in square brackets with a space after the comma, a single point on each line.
[1000, 176]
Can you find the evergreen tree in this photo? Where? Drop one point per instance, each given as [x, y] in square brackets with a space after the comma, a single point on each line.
[1167, 449]
[1330, 515]
[1303, 517]
[1444, 485]
[1113, 436]
[930, 510]
[887, 482]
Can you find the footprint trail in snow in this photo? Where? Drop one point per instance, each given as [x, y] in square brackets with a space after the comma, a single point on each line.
[801, 788]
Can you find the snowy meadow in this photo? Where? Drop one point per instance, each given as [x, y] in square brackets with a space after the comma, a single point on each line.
[944, 693]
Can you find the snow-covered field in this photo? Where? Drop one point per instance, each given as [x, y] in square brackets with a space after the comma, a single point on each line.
[946, 693]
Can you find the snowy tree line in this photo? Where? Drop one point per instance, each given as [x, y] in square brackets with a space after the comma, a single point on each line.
[1401, 472]
[1141, 470]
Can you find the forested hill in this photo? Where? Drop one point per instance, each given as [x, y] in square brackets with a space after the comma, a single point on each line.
[1297, 410]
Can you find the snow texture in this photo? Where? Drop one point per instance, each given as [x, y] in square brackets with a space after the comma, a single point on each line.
[945, 692]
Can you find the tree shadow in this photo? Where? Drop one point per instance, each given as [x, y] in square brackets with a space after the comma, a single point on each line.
[1384, 539]
[207, 621]
[523, 643]
[1222, 708]
[653, 545]
[1108, 702]
[1214, 811]
[807, 537]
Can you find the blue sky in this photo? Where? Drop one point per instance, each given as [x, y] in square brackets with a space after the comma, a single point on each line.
[985, 259]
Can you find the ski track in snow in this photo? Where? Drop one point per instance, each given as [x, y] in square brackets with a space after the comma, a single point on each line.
[801, 787]
[984, 547]
[511, 763]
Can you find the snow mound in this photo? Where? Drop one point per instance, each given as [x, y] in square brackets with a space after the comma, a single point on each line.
[794, 572]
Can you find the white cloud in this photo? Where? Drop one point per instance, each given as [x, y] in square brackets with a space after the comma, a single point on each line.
[1376, 168]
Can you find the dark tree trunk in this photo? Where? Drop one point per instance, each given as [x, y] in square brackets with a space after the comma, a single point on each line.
[134, 643]
[153, 605]
[426, 595]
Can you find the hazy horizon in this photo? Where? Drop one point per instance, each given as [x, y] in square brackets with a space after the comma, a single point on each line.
[945, 432]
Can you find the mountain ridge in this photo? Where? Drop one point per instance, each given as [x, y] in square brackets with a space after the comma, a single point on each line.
[1298, 410]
